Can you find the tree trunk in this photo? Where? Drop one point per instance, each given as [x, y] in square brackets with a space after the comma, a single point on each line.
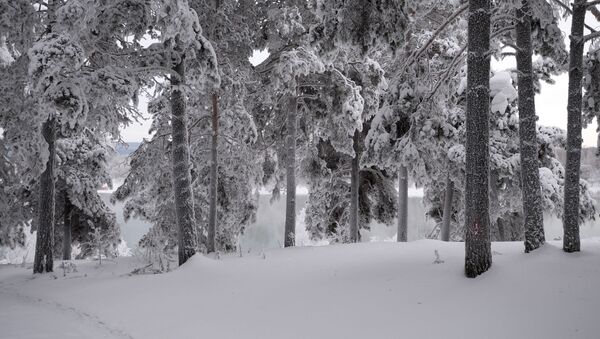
[402, 204]
[501, 230]
[571, 241]
[494, 208]
[478, 256]
[290, 200]
[530, 175]
[66, 255]
[182, 179]
[212, 216]
[43, 261]
[354, 187]
[447, 217]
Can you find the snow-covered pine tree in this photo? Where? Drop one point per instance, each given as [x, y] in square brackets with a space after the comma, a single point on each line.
[571, 241]
[478, 256]
[192, 66]
[292, 62]
[582, 73]
[395, 139]
[370, 29]
[65, 55]
[82, 167]
[530, 177]
[226, 26]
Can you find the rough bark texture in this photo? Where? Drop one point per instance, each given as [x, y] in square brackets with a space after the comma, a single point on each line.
[571, 241]
[290, 200]
[402, 204]
[182, 179]
[530, 175]
[212, 212]
[447, 217]
[43, 260]
[68, 208]
[354, 187]
[478, 256]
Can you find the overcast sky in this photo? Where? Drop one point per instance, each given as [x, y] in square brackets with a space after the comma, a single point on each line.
[551, 103]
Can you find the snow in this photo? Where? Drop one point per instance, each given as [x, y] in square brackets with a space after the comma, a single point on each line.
[502, 91]
[371, 290]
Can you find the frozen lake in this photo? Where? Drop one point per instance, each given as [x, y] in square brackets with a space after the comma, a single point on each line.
[267, 232]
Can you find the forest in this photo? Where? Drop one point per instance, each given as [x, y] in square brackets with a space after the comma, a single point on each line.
[355, 102]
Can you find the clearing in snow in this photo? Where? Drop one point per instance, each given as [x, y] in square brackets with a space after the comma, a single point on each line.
[374, 290]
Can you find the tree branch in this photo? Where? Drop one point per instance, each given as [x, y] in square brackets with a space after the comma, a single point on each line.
[570, 11]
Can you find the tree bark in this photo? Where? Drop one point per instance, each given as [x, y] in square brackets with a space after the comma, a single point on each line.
[530, 175]
[212, 216]
[447, 217]
[354, 187]
[290, 200]
[182, 179]
[43, 260]
[68, 208]
[402, 205]
[501, 230]
[478, 256]
[571, 242]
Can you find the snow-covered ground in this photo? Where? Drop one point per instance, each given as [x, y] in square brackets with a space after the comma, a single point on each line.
[372, 290]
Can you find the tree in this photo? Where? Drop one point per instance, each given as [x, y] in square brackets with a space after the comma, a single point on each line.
[81, 168]
[183, 46]
[394, 141]
[478, 254]
[369, 29]
[571, 241]
[530, 180]
[77, 76]
[291, 63]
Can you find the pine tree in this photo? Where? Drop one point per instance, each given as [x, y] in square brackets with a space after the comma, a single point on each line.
[530, 179]
[402, 204]
[571, 242]
[44, 258]
[478, 256]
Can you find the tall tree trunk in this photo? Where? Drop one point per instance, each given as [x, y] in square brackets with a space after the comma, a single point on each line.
[68, 208]
[212, 216]
[354, 187]
[290, 200]
[43, 260]
[402, 204]
[447, 217]
[571, 241]
[478, 254]
[182, 178]
[530, 175]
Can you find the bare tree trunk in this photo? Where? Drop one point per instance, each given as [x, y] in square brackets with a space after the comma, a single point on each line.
[501, 230]
[66, 255]
[530, 175]
[182, 179]
[571, 242]
[354, 187]
[43, 260]
[212, 216]
[447, 217]
[290, 200]
[402, 205]
[478, 254]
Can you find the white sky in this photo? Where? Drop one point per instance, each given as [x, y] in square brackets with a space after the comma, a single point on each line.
[551, 103]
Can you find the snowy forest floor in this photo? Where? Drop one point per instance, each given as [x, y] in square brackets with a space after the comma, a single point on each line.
[371, 290]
